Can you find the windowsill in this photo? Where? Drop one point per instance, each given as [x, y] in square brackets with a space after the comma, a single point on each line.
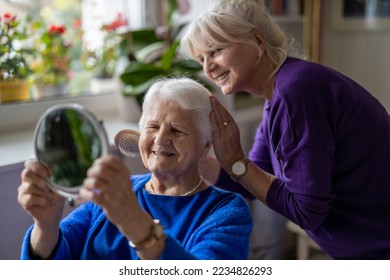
[19, 115]
[16, 147]
[18, 121]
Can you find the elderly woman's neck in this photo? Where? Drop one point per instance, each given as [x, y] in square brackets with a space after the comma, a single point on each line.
[175, 185]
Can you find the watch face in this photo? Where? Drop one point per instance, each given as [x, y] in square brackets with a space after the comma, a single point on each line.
[238, 168]
[158, 229]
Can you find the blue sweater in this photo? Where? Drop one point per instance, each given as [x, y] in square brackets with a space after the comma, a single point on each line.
[212, 224]
[328, 142]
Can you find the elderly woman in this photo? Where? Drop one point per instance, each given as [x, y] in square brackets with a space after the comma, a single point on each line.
[170, 213]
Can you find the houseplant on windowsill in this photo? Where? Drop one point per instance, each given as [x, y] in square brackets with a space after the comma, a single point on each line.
[153, 55]
[103, 61]
[14, 53]
[52, 65]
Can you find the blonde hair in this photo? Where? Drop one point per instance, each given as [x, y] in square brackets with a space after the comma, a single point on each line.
[233, 21]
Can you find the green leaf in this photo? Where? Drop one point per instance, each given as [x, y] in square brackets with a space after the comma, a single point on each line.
[172, 7]
[139, 89]
[187, 64]
[138, 73]
[141, 38]
[169, 55]
[150, 52]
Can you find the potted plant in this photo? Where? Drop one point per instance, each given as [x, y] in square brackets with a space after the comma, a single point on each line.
[52, 64]
[103, 61]
[139, 75]
[14, 53]
[153, 55]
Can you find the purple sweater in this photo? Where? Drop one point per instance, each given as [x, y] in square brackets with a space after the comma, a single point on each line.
[328, 142]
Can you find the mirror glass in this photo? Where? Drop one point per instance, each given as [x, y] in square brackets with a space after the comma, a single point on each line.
[68, 139]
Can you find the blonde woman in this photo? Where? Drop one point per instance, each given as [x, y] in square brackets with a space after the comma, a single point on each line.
[320, 155]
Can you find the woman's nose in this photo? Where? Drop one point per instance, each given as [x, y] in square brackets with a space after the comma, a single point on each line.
[162, 137]
[208, 65]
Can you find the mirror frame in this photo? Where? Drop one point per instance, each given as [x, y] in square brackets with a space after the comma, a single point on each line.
[71, 192]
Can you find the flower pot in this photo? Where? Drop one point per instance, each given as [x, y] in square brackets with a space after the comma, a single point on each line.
[128, 108]
[18, 90]
[103, 85]
[42, 91]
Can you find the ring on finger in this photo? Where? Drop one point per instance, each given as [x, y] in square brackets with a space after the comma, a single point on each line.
[96, 191]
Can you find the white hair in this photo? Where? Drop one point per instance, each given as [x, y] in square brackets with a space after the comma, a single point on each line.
[188, 94]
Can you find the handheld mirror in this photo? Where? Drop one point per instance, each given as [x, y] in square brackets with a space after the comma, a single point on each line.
[68, 138]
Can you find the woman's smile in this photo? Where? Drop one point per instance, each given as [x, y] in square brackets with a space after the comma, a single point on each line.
[163, 153]
[221, 77]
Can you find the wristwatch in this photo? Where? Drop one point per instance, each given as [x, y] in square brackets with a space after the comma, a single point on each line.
[156, 234]
[239, 168]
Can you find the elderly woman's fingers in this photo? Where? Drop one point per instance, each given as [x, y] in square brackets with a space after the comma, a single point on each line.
[40, 168]
[106, 171]
[106, 179]
[39, 202]
[90, 194]
[93, 189]
[108, 184]
[34, 179]
[29, 196]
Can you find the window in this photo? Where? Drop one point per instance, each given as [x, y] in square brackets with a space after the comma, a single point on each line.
[83, 20]
[15, 116]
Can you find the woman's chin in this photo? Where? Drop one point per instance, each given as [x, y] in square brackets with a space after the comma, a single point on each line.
[226, 90]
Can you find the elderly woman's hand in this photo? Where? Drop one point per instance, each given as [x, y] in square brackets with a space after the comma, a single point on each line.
[226, 136]
[34, 195]
[44, 206]
[108, 184]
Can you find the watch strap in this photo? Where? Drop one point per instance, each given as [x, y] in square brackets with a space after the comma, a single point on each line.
[156, 233]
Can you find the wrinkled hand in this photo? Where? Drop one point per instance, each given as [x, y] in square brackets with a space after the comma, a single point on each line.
[36, 198]
[226, 135]
[108, 184]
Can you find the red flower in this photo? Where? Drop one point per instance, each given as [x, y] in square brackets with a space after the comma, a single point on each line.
[118, 22]
[77, 23]
[56, 29]
[8, 17]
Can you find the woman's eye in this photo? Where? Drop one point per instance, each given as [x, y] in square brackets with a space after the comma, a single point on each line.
[217, 51]
[176, 131]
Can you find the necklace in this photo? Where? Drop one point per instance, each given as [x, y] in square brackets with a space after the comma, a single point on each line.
[185, 194]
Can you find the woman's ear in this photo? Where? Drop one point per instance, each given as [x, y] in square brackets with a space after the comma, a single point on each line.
[259, 38]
